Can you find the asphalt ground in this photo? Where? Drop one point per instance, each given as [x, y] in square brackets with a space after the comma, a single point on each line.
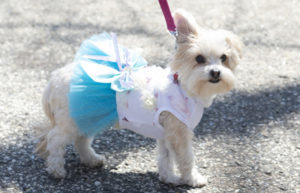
[248, 140]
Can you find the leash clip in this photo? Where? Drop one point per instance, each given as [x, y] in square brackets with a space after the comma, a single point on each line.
[174, 33]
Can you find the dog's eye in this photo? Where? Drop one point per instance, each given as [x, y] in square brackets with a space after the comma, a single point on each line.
[200, 59]
[223, 58]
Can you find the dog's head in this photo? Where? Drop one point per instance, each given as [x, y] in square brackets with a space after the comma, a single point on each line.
[205, 59]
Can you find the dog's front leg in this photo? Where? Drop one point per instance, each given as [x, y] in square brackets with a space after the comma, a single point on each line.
[166, 164]
[179, 140]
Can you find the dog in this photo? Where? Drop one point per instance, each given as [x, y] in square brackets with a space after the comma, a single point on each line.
[202, 67]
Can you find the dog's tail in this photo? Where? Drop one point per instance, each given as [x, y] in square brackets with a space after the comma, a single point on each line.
[41, 148]
[46, 105]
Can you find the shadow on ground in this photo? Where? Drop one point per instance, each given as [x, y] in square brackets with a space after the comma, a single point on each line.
[240, 112]
[235, 116]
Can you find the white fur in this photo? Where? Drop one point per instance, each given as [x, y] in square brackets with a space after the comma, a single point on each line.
[176, 147]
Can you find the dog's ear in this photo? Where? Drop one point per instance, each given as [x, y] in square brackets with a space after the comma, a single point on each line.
[236, 47]
[185, 25]
[234, 42]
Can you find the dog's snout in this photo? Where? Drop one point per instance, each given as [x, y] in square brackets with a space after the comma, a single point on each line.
[215, 73]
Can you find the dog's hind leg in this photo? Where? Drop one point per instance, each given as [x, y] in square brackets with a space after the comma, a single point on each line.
[56, 140]
[87, 154]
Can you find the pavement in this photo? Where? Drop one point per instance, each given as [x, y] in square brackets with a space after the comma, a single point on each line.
[248, 140]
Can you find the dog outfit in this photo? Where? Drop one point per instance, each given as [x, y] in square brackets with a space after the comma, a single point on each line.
[101, 92]
[135, 116]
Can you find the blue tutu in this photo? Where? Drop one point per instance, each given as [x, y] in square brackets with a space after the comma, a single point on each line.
[102, 68]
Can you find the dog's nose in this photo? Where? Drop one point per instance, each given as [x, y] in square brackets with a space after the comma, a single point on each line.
[215, 73]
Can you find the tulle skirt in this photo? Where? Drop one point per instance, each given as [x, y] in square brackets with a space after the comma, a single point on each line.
[96, 79]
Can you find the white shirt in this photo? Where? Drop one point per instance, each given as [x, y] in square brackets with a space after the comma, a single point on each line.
[134, 115]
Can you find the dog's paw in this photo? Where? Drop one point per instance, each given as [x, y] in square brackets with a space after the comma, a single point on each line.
[196, 180]
[57, 172]
[55, 167]
[170, 179]
[95, 161]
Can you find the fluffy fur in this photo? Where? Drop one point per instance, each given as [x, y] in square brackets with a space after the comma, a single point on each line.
[195, 77]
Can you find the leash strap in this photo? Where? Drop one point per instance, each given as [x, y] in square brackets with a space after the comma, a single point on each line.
[168, 17]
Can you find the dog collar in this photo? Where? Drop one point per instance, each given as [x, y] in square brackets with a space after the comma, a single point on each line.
[175, 78]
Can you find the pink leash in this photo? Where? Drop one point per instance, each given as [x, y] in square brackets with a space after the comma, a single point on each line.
[168, 17]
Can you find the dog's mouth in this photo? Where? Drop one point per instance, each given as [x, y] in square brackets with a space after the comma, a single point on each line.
[214, 80]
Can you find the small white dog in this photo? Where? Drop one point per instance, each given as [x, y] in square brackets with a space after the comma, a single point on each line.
[202, 67]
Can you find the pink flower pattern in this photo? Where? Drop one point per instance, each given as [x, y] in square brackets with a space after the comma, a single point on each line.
[148, 80]
[186, 108]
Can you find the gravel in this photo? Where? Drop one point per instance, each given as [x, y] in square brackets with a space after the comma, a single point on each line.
[247, 141]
